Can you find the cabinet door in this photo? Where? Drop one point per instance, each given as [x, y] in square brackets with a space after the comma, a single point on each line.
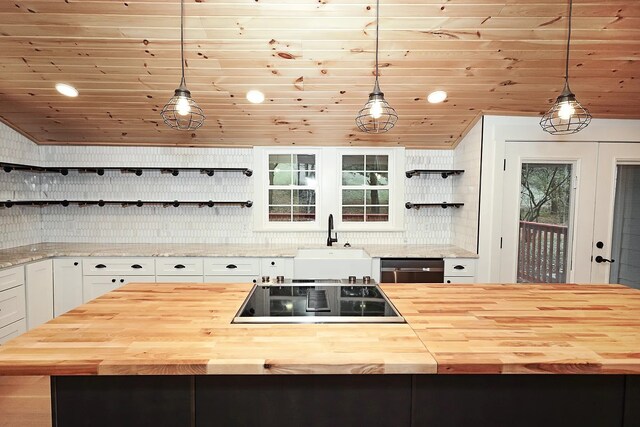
[67, 285]
[39, 292]
[12, 307]
[119, 266]
[95, 286]
[231, 279]
[274, 267]
[179, 266]
[12, 330]
[179, 279]
[11, 277]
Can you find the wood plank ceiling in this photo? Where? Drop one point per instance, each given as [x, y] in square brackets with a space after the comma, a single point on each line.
[314, 61]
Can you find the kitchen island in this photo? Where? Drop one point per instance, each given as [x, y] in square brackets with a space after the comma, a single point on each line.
[167, 354]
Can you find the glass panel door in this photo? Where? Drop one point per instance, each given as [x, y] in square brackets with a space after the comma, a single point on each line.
[625, 245]
[544, 223]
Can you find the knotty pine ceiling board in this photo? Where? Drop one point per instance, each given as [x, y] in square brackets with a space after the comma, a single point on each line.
[313, 59]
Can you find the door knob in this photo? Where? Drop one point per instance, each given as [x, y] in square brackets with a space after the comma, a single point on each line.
[600, 259]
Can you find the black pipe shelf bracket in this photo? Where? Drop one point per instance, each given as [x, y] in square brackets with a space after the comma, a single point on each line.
[9, 167]
[443, 205]
[445, 173]
[125, 203]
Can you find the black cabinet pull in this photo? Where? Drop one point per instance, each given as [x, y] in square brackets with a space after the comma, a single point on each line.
[101, 266]
[113, 280]
[232, 266]
[136, 266]
[75, 263]
[121, 280]
[179, 266]
[448, 281]
[459, 267]
[273, 263]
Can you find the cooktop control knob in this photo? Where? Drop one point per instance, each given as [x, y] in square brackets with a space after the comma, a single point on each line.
[352, 279]
[366, 280]
[280, 279]
[265, 279]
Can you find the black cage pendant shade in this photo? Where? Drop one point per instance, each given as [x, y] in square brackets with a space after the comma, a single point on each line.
[566, 115]
[377, 116]
[181, 111]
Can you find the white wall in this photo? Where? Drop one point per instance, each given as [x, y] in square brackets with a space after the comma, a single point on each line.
[185, 224]
[498, 130]
[466, 189]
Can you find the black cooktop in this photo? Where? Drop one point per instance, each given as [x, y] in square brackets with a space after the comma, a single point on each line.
[317, 302]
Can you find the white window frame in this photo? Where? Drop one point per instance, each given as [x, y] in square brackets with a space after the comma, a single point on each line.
[329, 189]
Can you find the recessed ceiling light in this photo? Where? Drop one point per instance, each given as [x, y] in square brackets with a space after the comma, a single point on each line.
[437, 96]
[67, 90]
[255, 96]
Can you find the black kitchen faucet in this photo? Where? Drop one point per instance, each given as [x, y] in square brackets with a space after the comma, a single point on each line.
[331, 240]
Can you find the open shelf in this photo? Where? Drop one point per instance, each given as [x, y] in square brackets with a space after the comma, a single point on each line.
[125, 203]
[443, 205]
[445, 173]
[9, 167]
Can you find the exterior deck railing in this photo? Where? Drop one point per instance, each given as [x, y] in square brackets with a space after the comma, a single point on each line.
[542, 254]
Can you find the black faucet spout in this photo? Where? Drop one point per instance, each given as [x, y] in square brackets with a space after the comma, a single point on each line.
[331, 240]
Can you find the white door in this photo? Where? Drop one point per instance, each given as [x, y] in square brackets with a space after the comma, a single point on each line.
[616, 232]
[548, 200]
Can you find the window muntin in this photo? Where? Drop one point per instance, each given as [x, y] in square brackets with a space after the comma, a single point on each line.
[292, 188]
[365, 188]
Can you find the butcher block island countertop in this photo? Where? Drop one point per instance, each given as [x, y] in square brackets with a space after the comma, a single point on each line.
[175, 329]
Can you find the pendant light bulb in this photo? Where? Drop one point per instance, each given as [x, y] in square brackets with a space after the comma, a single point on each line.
[376, 109]
[566, 111]
[182, 106]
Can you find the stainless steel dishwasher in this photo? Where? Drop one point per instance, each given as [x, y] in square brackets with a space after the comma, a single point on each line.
[411, 270]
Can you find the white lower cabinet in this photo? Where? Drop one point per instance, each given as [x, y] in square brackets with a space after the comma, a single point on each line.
[231, 279]
[179, 279]
[39, 292]
[95, 286]
[67, 284]
[274, 267]
[459, 279]
[12, 330]
[12, 305]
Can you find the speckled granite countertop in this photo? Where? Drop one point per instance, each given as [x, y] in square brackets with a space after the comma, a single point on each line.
[24, 254]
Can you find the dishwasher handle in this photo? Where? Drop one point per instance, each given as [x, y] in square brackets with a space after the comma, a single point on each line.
[414, 270]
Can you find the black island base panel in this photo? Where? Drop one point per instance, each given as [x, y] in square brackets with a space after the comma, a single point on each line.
[348, 400]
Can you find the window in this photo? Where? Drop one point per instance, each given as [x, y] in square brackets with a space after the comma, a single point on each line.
[292, 183]
[297, 188]
[365, 188]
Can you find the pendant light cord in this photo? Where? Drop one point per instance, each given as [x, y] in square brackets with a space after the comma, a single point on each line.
[377, 29]
[182, 82]
[566, 67]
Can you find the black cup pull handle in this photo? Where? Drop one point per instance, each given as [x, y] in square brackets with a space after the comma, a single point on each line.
[179, 266]
[232, 266]
[136, 266]
[600, 259]
[459, 267]
[101, 266]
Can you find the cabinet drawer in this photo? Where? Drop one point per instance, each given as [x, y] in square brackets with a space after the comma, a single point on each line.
[452, 280]
[12, 305]
[95, 286]
[179, 279]
[273, 267]
[119, 266]
[179, 267]
[232, 266]
[11, 277]
[465, 267]
[230, 279]
[13, 330]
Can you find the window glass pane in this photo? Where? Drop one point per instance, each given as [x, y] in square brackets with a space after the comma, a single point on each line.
[377, 213]
[352, 163]
[377, 197]
[353, 197]
[353, 214]
[279, 213]
[280, 177]
[377, 163]
[377, 178]
[304, 197]
[304, 162]
[352, 178]
[304, 178]
[279, 197]
[280, 162]
[304, 213]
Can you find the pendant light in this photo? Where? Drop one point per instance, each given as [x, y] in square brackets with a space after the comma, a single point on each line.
[566, 115]
[182, 112]
[377, 116]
